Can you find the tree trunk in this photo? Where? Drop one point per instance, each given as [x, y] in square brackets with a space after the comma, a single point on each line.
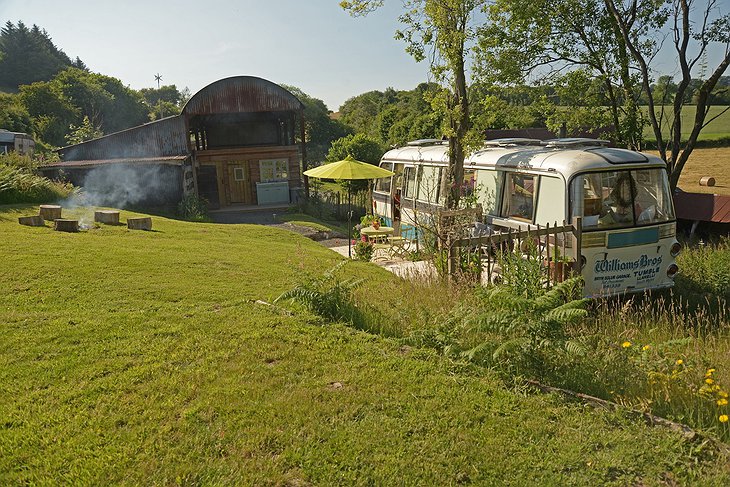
[459, 120]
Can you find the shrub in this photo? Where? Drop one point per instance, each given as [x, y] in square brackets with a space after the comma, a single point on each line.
[519, 334]
[193, 208]
[327, 296]
[20, 185]
[364, 250]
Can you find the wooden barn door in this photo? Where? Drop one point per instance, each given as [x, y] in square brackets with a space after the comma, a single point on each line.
[239, 183]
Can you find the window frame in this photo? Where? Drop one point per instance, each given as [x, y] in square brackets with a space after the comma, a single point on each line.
[636, 224]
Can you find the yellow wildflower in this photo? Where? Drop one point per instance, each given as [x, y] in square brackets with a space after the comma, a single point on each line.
[679, 361]
[722, 394]
[723, 418]
[722, 402]
[710, 371]
[645, 348]
[626, 344]
[709, 381]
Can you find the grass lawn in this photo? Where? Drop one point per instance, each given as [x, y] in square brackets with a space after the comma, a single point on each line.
[132, 357]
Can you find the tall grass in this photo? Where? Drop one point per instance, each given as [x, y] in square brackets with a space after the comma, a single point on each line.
[667, 354]
[19, 184]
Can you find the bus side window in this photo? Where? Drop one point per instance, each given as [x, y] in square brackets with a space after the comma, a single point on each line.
[410, 182]
[488, 190]
[429, 183]
[519, 196]
[383, 184]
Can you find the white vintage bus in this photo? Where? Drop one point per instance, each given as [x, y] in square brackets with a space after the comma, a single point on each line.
[628, 225]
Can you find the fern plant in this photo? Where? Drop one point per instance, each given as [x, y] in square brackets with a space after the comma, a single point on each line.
[522, 334]
[327, 296]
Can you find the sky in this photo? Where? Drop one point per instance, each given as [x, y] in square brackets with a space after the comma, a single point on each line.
[311, 44]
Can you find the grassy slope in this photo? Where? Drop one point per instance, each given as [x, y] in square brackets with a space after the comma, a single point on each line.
[137, 357]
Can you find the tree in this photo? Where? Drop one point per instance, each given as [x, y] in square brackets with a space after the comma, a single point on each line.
[442, 31]
[52, 112]
[82, 133]
[73, 94]
[687, 25]
[359, 146]
[164, 101]
[13, 114]
[547, 39]
[394, 117]
[28, 55]
[320, 130]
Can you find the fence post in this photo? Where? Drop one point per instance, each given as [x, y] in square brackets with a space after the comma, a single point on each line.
[451, 259]
[547, 252]
[577, 231]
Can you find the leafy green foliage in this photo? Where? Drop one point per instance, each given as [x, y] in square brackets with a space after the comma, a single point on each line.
[522, 272]
[82, 133]
[28, 55]
[327, 296]
[364, 250]
[193, 208]
[14, 115]
[319, 128]
[20, 185]
[705, 271]
[394, 117]
[359, 146]
[521, 334]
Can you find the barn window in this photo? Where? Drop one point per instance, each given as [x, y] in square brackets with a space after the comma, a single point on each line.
[273, 170]
[239, 174]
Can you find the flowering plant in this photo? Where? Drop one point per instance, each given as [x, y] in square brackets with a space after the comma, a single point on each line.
[364, 249]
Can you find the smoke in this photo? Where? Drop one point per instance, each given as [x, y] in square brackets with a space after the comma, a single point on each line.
[128, 185]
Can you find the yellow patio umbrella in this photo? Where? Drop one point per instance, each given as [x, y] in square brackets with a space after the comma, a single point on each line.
[348, 168]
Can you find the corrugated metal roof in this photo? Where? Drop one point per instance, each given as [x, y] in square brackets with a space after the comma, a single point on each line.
[7, 136]
[170, 160]
[241, 94]
[168, 136]
[703, 207]
[161, 138]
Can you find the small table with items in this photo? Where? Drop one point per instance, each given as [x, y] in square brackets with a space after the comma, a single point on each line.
[377, 235]
[382, 239]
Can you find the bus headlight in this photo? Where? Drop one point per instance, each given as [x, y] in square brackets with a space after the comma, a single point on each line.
[675, 249]
[672, 270]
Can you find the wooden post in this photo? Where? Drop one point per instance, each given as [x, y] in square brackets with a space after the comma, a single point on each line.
[50, 212]
[109, 217]
[451, 260]
[32, 221]
[547, 249]
[577, 242]
[144, 223]
[64, 225]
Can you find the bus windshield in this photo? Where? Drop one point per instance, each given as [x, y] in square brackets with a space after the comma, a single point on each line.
[621, 199]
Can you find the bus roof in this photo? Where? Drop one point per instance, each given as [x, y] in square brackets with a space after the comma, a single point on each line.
[565, 156]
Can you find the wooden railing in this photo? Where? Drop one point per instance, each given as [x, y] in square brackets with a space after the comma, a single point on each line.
[333, 204]
[555, 248]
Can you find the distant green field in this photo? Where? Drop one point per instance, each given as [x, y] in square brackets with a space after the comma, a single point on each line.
[715, 130]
